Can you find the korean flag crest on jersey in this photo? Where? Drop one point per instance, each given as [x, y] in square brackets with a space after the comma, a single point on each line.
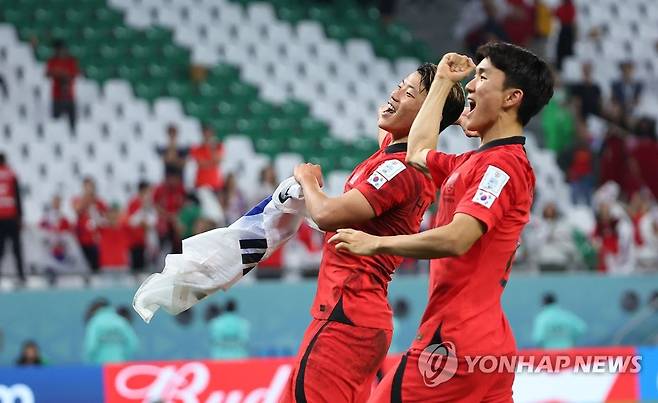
[492, 183]
[386, 171]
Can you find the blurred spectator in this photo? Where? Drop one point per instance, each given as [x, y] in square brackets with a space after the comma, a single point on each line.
[627, 90]
[630, 301]
[644, 155]
[613, 238]
[126, 313]
[114, 242]
[555, 327]
[189, 215]
[558, 121]
[57, 225]
[229, 334]
[566, 14]
[267, 184]
[11, 215]
[400, 314]
[141, 218]
[212, 312]
[231, 200]
[648, 250]
[587, 93]
[490, 30]
[3, 87]
[543, 27]
[90, 210]
[387, 10]
[208, 156]
[169, 198]
[30, 355]
[613, 162]
[580, 173]
[108, 336]
[520, 22]
[173, 156]
[62, 69]
[552, 237]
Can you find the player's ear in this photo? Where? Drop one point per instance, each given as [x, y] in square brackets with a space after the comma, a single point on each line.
[512, 97]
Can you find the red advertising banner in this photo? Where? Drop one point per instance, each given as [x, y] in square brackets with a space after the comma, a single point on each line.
[600, 374]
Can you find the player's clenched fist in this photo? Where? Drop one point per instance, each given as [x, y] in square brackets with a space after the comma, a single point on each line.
[356, 242]
[305, 171]
[455, 67]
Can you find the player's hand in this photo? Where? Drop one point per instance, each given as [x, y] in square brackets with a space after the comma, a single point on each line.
[455, 67]
[356, 242]
[462, 122]
[307, 170]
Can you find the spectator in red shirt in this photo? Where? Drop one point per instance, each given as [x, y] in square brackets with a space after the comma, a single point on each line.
[114, 242]
[520, 22]
[581, 174]
[208, 156]
[141, 216]
[11, 215]
[90, 210]
[644, 154]
[62, 69]
[566, 13]
[56, 224]
[169, 198]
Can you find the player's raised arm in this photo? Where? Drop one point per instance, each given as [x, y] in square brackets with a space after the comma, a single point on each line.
[330, 213]
[454, 239]
[425, 129]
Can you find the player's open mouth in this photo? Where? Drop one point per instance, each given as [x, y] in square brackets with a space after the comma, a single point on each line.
[390, 110]
[471, 106]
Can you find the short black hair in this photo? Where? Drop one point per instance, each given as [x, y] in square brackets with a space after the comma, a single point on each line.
[549, 298]
[212, 312]
[231, 305]
[3, 159]
[523, 70]
[454, 105]
[142, 185]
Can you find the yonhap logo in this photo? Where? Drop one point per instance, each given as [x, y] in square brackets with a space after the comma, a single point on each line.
[438, 363]
[18, 393]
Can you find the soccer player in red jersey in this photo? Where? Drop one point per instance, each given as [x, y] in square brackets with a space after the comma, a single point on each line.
[485, 202]
[350, 333]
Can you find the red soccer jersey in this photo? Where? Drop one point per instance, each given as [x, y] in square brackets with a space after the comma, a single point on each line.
[66, 69]
[494, 184]
[353, 289]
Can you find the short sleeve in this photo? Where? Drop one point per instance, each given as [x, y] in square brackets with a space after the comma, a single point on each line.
[441, 165]
[391, 184]
[489, 194]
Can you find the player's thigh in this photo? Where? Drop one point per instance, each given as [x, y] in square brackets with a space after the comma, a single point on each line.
[410, 386]
[501, 388]
[340, 364]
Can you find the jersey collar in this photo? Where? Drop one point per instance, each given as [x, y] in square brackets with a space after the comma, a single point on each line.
[396, 148]
[503, 142]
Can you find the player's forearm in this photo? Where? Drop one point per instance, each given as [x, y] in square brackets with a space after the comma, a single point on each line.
[318, 204]
[424, 132]
[433, 244]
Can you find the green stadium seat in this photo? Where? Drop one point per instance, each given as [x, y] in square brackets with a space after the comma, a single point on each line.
[270, 146]
[222, 126]
[149, 91]
[131, 73]
[106, 17]
[99, 72]
[183, 90]
[158, 36]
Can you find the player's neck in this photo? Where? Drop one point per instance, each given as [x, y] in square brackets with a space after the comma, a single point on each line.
[400, 140]
[503, 128]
